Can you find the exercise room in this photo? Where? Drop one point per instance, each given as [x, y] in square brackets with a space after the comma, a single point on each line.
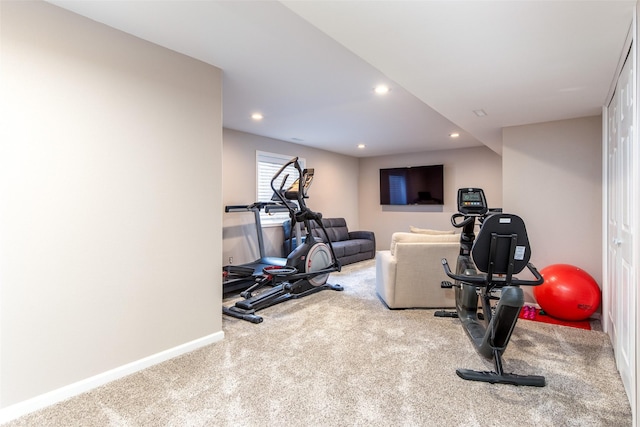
[318, 213]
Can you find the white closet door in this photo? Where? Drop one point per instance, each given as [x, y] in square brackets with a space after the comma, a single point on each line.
[620, 308]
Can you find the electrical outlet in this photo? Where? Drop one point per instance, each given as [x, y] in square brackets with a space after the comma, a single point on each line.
[230, 260]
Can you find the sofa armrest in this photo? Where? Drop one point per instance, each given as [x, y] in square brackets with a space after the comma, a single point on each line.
[368, 235]
[386, 277]
[418, 273]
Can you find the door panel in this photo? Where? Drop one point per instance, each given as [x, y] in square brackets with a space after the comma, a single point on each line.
[620, 292]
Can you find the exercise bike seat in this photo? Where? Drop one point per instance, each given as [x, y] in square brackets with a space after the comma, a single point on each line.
[500, 250]
[502, 245]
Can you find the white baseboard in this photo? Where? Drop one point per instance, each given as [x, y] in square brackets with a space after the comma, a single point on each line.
[42, 401]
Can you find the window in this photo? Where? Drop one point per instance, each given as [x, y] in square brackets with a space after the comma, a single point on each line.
[267, 165]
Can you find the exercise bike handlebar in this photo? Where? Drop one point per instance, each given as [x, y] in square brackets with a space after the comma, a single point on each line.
[467, 219]
[481, 279]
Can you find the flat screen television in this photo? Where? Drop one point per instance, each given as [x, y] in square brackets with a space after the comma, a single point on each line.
[418, 185]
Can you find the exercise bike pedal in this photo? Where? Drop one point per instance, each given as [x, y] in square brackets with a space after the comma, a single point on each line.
[442, 313]
[445, 284]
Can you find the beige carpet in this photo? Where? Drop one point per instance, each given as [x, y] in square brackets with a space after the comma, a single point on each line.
[343, 359]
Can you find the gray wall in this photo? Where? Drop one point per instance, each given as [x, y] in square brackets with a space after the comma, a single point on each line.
[552, 177]
[466, 167]
[110, 185]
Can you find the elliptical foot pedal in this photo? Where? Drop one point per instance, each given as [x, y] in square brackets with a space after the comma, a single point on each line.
[442, 313]
[280, 271]
[248, 315]
[236, 271]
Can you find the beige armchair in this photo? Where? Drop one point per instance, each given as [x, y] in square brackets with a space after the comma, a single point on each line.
[409, 274]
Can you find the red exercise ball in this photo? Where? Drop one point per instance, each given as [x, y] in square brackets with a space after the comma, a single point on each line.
[568, 292]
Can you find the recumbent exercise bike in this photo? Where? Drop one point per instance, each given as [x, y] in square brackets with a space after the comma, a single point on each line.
[307, 267]
[485, 266]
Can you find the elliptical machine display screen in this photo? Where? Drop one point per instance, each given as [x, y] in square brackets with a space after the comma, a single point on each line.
[471, 201]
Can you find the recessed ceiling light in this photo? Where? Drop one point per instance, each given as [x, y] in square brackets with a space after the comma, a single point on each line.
[480, 113]
[361, 146]
[257, 116]
[382, 89]
[454, 135]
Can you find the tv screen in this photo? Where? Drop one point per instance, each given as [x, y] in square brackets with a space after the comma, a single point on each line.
[419, 185]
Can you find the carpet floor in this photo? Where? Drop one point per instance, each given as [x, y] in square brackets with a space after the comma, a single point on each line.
[344, 359]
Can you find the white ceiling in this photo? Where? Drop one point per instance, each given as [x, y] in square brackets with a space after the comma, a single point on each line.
[310, 66]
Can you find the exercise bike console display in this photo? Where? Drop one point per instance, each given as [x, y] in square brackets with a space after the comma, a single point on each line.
[471, 201]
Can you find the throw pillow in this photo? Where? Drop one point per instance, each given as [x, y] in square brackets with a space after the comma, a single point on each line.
[402, 237]
[428, 231]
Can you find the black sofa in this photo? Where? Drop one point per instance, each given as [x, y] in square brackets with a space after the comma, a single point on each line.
[349, 246]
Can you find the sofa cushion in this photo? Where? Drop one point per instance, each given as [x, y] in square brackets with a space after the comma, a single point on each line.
[338, 250]
[366, 245]
[351, 248]
[402, 237]
[428, 231]
[336, 229]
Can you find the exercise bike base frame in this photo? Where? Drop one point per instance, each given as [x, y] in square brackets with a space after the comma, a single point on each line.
[499, 376]
[490, 333]
[496, 378]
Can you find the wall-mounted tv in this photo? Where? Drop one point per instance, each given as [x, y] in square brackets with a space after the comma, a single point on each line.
[418, 185]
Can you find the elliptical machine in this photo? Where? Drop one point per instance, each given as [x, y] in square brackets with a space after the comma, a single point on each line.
[306, 269]
[240, 277]
[486, 266]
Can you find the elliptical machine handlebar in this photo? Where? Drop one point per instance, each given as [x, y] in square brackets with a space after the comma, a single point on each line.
[298, 191]
[481, 279]
[280, 193]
